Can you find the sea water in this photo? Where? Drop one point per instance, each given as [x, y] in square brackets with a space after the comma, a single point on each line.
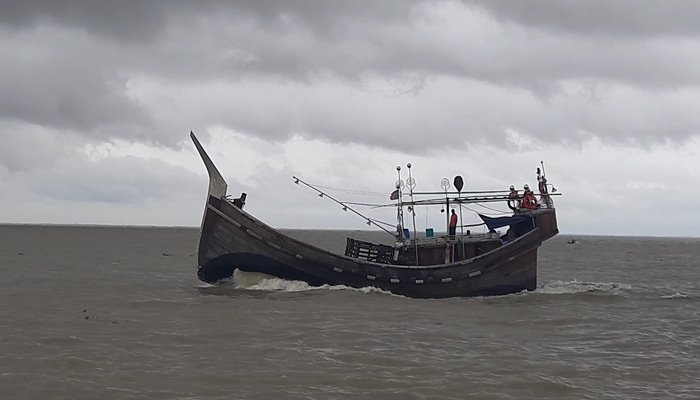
[117, 313]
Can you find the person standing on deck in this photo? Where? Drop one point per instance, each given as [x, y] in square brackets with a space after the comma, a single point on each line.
[453, 224]
[544, 194]
[513, 202]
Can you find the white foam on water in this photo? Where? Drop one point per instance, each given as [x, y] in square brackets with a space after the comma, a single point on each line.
[263, 282]
[676, 295]
[366, 289]
[572, 287]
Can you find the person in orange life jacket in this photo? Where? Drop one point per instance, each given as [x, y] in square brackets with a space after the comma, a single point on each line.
[529, 201]
[513, 202]
[453, 223]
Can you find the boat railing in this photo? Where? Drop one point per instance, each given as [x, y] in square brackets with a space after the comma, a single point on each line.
[447, 239]
[378, 253]
[545, 201]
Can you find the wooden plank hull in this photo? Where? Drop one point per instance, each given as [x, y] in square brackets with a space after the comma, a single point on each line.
[232, 238]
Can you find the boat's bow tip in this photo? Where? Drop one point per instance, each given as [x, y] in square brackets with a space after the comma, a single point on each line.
[217, 183]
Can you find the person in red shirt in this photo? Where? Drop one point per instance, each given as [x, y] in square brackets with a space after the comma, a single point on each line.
[453, 224]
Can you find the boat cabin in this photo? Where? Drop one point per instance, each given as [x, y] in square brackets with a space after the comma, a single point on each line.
[444, 249]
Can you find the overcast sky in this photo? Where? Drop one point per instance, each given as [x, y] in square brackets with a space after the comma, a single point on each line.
[97, 99]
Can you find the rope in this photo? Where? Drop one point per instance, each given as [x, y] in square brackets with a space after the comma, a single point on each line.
[492, 209]
[362, 204]
[476, 212]
[360, 192]
[382, 222]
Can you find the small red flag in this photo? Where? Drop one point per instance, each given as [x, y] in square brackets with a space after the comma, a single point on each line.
[394, 195]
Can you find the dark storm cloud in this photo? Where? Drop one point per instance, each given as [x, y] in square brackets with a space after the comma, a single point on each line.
[121, 20]
[295, 38]
[629, 19]
[64, 94]
[143, 20]
[68, 64]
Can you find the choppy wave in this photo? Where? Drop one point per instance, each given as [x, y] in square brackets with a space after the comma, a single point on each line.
[613, 288]
[263, 282]
[268, 283]
[676, 295]
[573, 287]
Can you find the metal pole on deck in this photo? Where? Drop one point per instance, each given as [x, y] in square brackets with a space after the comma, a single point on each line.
[411, 183]
[399, 186]
[445, 184]
[459, 184]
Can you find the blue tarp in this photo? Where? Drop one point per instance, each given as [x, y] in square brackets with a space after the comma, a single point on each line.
[498, 222]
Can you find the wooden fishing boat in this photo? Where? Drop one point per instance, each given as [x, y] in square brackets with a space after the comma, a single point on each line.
[430, 267]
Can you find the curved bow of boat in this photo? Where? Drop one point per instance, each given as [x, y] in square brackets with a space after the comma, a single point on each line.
[217, 184]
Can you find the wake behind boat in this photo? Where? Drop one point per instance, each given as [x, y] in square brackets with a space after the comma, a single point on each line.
[428, 267]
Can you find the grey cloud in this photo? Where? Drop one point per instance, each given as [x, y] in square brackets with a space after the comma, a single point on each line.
[27, 149]
[116, 190]
[66, 99]
[88, 58]
[454, 113]
[67, 82]
[119, 180]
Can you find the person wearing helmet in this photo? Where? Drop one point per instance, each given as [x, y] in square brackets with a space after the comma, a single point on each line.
[529, 201]
[513, 202]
